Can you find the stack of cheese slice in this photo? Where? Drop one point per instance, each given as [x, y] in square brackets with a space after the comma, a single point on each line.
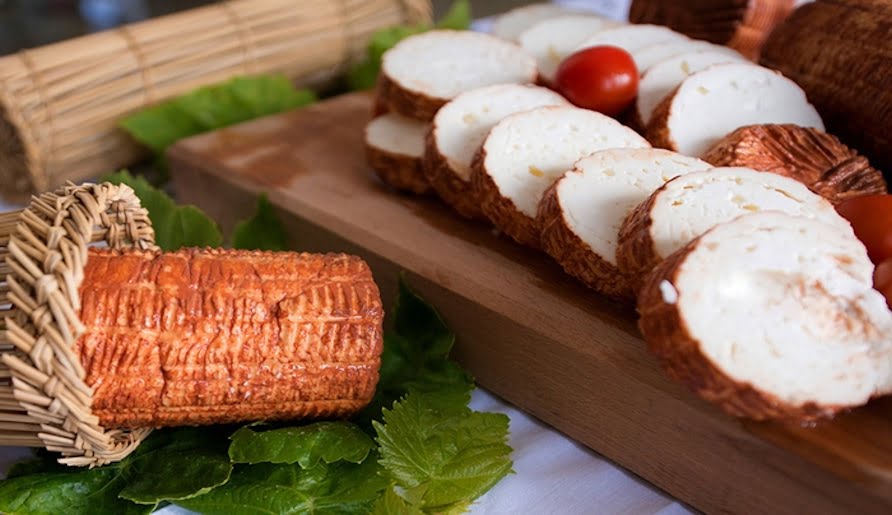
[418, 76]
[581, 214]
[526, 152]
[771, 316]
[687, 206]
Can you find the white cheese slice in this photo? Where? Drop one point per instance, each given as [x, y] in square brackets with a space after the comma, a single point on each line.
[550, 41]
[650, 55]
[633, 37]
[511, 24]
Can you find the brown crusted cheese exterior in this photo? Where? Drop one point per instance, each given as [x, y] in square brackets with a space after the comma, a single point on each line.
[635, 252]
[400, 100]
[454, 191]
[811, 156]
[573, 254]
[219, 336]
[667, 336]
[657, 130]
[501, 211]
[400, 171]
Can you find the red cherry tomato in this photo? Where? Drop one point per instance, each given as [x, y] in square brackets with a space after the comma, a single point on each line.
[601, 78]
[871, 217]
[882, 280]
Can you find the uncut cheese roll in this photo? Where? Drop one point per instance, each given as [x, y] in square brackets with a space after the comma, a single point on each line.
[460, 128]
[771, 316]
[581, 214]
[526, 152]
[423, 72]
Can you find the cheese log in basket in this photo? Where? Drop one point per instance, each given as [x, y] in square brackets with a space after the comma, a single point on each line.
[102, 345]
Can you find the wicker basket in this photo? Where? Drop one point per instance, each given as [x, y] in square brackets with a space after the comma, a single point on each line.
[44, 401]
[60, 104]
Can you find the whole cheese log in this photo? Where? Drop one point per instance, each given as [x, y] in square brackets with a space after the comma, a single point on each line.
[771, 316]
[215, 336]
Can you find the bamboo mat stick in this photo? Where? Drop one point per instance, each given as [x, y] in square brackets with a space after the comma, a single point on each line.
[60, 104]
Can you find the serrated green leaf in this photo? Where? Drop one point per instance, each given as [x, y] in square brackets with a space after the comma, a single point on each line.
[392, 504]
[442, 457]
[189, 462]
[458, 17]
[340, 488]
[365, 74]
[306, 445]
[268, 94]
[263, 231]
[160, 126]
[175, 226]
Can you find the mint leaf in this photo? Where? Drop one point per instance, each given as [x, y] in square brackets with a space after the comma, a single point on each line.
[175, 226]
[177, 464]
[81, 492]
[339, 488]
[263, 231]
[392, 504]
[458, 17]
[213, 107]
[442, 456]
[306, 445]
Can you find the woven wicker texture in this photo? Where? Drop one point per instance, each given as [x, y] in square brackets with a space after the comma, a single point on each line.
[60, 104]
[44, 399]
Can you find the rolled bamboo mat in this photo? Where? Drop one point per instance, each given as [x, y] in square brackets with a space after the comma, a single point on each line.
[60, 104]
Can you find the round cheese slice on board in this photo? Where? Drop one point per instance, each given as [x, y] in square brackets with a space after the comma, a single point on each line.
[460, 128]
[394, 148]
[648, 56]
[686, 207]
[526, 152]
[633, 37]
[581, 213]
[511, 24]
[714, 102]
[553, 39]
[771, 316]
[423, 72]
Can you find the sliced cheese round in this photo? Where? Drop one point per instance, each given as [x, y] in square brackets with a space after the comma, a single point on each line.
[423, 72]
[581, 214]
[633, 37]
[771, 316]
[526, 152]
[714, 102]
[511, 24]
[394, 148]
[460, 128]
[662, 78]
[688, 206]
[648, 56]
[553, 39]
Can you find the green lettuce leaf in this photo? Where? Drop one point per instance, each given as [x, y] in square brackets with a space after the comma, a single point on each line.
[443, 455]
[263, 231]
[307, 445]
[213, 107]
[81, 492]
[339, 488]
[175, 226]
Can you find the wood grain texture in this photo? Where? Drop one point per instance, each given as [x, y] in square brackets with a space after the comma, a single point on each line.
[527, 331]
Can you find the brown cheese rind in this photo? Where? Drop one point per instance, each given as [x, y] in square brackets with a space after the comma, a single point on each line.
[216, 336]
[810, 156]
[501, 211]
[668, 337]
[573, 254]
[657, 130]
[450, 187]
[635, 252]
[413, 104]
[402, 172]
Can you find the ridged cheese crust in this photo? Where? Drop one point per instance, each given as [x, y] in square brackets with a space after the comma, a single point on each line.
[526, 152]
[771, 316]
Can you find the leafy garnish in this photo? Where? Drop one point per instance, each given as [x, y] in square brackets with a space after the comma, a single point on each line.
[214, 107]
[175, 226]
[306, 445]
[339, 488]
[392, 504]
[263, 231]
[443, 455]
[80, 492]
[365, 74]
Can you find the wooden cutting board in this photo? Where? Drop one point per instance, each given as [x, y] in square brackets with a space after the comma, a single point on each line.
[528, 332]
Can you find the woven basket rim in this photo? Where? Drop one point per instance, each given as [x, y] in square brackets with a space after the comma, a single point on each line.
[43, 253]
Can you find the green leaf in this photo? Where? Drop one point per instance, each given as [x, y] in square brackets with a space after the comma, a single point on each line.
[214, 107]
[175, 226]
[365, 74]
[42, 461]
[339, 488]
[392, 504]
[87, 492]
[307, 445]
[458, 17]
[443, 456]
[263, 231]
[189, 462]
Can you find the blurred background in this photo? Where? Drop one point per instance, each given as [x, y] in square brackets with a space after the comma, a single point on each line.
[31, 23]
